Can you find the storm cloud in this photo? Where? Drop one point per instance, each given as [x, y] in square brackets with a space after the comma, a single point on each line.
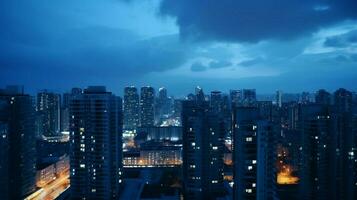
[255, 20]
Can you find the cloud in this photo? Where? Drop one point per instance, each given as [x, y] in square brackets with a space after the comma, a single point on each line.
[219, 64]
[251, 62]
[255, 20]
[198, 67]
[343, 40]
[51, 39]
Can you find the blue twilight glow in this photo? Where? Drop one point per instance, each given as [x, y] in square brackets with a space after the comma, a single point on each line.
[268, 45]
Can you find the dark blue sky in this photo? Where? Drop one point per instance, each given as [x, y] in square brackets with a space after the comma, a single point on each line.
[265, 44]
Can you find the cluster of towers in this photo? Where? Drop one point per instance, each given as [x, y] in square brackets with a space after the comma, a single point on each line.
[321, 136]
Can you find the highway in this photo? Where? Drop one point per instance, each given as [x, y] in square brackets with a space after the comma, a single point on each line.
[52, 190]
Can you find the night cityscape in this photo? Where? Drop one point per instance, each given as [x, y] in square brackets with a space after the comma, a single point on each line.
[178, 100]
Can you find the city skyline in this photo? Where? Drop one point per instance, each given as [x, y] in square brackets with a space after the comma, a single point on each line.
[178, 99]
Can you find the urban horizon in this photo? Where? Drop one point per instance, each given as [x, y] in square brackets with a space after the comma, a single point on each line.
[178, 100]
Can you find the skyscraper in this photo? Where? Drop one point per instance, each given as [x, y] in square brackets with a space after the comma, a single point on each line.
[65, 108]
[147, 106]
[323, 97]
[279, 95]
[200, 96]
[216, 101]
[318, 170]
[131, 108]
[346, 144]
[236, 96]
[249, 97]
[254, 155]
[203, 143]
[4, 159]
[343, 100]
[162, 105]
[96, 144]
[48, 109]
[17, 131]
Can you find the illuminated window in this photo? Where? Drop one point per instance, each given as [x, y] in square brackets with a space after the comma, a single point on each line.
[248, 190]
[214, 148]
[254, 185]
[82, 166]
[250, 168]
[254, 161]
[193, 144]
[249, 139]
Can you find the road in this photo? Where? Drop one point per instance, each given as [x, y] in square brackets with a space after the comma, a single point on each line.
[53, 189]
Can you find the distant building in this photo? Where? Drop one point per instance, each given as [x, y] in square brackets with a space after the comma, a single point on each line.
[203, 149]
[199, 95]
[236, 96]
[216, 101]
[249, 97]
[323, 97]
[131, 108]
[147, 106]
[254, 155]
[163, 106]
[48, 109]
[154, 154]
[343, 100]
[171, 133]
[305, 98]
[65, 108]
[279, 95]
[96, 148]
[17, 131]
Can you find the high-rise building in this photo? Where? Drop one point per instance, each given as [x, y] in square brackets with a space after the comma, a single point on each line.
[343, 100]
[318, 170]
[199, 95]
[203, 143]
[305, 98]
[216, 101]
[147, 106]
[18, 144]
[323, 97]
[279, 95]
[4, 159]
[352, 156]
[96, 144]
[131, 108]
[162, 105]
[48, 109]
[249, 97]
[236, 97]
[254, 155]
[346, 145]
[65, 108]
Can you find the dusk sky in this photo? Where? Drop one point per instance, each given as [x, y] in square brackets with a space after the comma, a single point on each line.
[293, 45]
